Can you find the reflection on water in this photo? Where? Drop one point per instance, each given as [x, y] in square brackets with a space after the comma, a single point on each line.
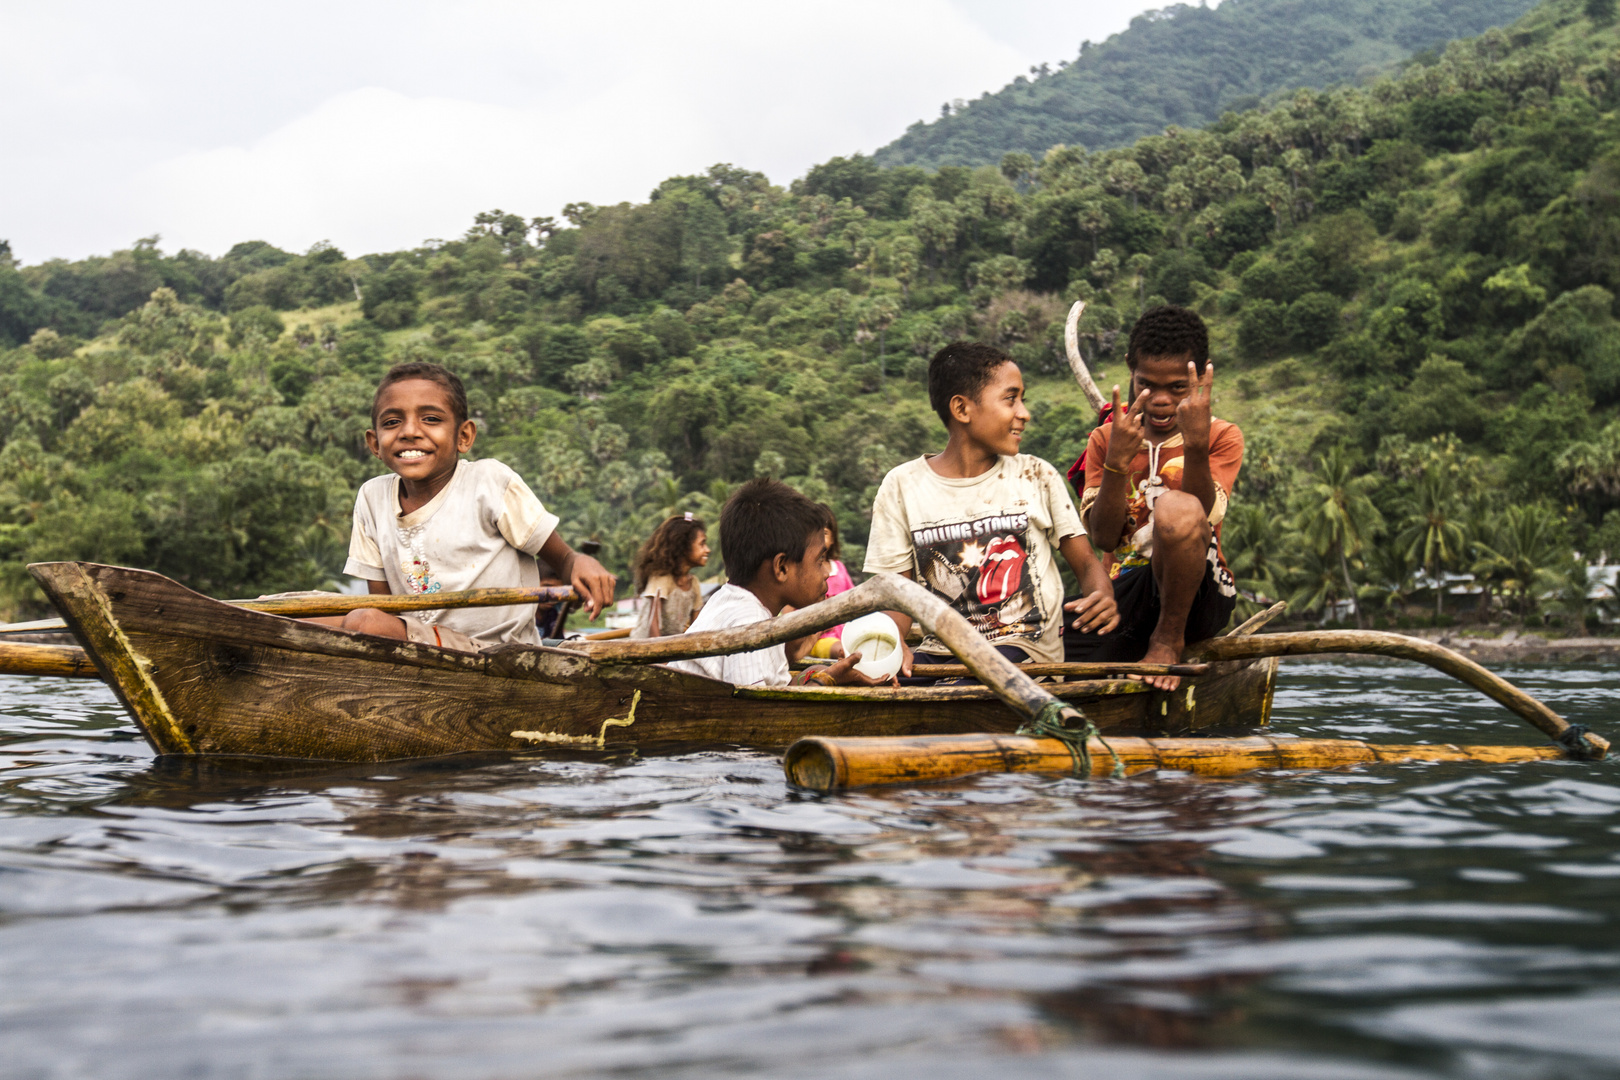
[691, 916]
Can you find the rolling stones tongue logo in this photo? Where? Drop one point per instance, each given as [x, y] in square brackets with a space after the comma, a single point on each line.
[1002, 571]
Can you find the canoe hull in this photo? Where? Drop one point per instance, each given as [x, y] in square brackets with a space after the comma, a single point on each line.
[202, 677]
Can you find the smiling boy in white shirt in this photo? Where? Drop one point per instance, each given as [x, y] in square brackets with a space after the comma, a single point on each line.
[437, 523]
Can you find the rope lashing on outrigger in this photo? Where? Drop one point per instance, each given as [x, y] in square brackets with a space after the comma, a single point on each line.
[1048, 724]
[1574, 739]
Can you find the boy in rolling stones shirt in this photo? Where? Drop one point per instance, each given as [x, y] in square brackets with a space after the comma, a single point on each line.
[979, 523]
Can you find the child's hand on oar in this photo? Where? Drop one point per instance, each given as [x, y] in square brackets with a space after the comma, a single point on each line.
[592, 582]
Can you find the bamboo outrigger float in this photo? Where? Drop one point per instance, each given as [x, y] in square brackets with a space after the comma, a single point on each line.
[204, 677]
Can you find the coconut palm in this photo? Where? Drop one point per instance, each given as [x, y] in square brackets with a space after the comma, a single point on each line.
[1336, 514]
[1316, 582]
[1390, 566]
[1252, 537]
[1433, 536]
[1524, 549]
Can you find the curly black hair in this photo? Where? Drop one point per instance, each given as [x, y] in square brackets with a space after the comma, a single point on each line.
[1172, 331]
[667, 549]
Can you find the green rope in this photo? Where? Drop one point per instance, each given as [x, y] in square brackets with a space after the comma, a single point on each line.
[1048, 724]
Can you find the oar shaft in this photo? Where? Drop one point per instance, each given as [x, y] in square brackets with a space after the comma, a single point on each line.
[831, 764]
[65, 661]
[1075, 670]
[1077, 363]
[342, 604]
[323, 604]
[880, 592]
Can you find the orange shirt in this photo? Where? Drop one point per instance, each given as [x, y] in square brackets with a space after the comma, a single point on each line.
[1154, 469]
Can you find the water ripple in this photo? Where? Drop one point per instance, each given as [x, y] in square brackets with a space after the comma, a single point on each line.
[690, 915]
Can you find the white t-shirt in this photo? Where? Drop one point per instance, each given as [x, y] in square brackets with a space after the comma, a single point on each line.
[481, 531]
[984, 544]
[732, 606]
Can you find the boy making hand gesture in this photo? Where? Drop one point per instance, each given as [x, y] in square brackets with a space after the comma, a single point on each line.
[1156, 486]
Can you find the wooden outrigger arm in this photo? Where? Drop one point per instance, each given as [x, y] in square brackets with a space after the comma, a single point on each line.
[1575, 739]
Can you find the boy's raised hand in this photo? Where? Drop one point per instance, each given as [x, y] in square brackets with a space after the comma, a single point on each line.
[1128, 432]
[1192, 415]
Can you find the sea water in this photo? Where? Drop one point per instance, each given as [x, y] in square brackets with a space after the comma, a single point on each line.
[692, 916]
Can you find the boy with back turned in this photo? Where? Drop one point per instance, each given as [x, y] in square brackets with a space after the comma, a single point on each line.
[1157, 480]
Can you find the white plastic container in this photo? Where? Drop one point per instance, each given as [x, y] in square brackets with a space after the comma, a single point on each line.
[877, 639]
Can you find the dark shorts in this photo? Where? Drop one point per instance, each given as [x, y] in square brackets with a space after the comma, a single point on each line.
[1137, 594]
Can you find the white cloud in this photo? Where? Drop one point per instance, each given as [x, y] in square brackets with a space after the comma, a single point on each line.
[379, 125]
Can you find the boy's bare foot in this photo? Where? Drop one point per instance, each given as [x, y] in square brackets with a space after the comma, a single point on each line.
[1162, 653]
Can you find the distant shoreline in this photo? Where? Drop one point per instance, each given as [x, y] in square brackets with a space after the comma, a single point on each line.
[1510, 647]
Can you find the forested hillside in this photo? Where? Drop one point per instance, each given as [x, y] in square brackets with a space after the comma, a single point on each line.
[1185, 65]
[1411, 288]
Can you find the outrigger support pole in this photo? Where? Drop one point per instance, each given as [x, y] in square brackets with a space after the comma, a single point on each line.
[1575, 739]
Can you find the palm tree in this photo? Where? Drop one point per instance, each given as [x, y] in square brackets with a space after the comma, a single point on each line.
[1525, 547]
[1251, 537]
[1337, 516]
[1316, 582]
[664, 496]
[1432, 534]
[1480, 522]
[1390, 565]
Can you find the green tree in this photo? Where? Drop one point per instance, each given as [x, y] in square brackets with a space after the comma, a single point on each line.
[1336, 514]
[1432, 535]
[1525, 547]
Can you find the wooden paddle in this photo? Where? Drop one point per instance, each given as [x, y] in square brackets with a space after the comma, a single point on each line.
[319, 604]
[831, 764]
[72, 662]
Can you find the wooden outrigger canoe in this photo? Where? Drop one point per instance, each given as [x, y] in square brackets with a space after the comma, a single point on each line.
[204, 677]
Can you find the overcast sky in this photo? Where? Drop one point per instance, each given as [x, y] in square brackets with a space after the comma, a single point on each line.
[377, 125]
